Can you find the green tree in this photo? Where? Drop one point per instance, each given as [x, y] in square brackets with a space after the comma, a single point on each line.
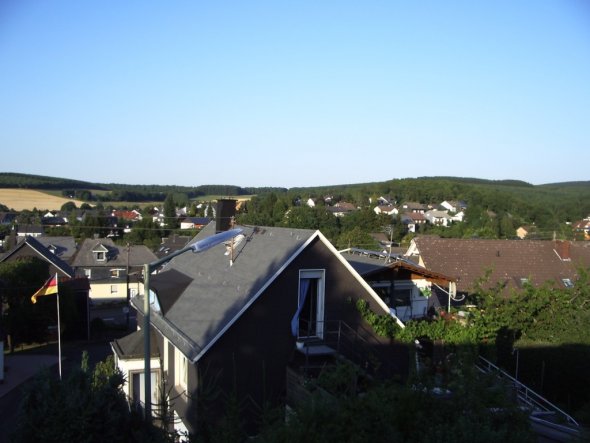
[68, 207]
[87, 406]
[22, 321]
[170, 212]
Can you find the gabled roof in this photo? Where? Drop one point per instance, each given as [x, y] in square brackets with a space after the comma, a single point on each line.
[413, 216]
[201, 295]
[367, 263]
[510, 260]
[42, 252]
[117, 255]
[26, 229]
[64, 246]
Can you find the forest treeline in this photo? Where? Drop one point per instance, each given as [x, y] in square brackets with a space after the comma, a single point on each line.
[119, 192]
[495, 208]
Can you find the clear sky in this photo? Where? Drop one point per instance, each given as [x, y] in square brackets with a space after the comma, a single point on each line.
[285, 93]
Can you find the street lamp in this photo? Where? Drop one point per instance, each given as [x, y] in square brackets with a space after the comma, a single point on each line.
[148, 268]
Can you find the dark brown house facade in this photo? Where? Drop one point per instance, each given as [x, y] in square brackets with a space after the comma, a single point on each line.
[231, 323]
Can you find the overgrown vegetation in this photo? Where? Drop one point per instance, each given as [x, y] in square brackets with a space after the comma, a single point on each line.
[88, 405]
[543, 326]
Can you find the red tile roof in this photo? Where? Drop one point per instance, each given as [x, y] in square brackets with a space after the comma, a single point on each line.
[509, 260]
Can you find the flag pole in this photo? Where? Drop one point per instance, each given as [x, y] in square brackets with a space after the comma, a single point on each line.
[58, 328]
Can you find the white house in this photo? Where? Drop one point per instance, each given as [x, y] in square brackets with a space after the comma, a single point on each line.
[438, 218]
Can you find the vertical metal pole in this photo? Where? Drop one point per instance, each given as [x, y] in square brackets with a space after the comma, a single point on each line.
[516, 370]
[146, 336]
[58, 336]
[128, 306]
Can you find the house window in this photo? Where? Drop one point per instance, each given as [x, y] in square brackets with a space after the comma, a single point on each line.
[309, 318]
[99, 256]
[114, 289]
[88, 273]
[402, 296]
[567, 283]
[115, 273]
[165, 356]
[137, 390]
[180, 369]
[523, 281]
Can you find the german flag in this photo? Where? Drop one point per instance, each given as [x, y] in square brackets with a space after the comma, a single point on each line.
[50, 287]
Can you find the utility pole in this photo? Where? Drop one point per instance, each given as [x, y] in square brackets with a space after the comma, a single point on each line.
[127, 287]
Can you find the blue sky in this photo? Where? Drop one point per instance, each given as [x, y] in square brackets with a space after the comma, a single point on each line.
[308, 93]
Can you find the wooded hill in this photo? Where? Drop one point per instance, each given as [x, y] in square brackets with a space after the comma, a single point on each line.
[515, 202]
[120, 192]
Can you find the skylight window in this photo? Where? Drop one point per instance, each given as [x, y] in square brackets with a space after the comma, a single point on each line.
[567, 282]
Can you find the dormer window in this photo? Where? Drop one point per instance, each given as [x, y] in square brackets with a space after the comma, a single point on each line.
[100, 253]
[567, 282]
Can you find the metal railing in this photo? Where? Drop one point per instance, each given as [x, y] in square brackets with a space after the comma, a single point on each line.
[538, 405]
[358, 345]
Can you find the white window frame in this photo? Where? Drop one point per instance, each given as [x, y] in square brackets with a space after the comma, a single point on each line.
[180, 369]
[165, 356]
[320, 276]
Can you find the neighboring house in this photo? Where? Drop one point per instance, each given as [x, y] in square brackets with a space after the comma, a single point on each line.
[458, 217]
[63, 247]
[583, 226]
[29, 230]
[194, 222]
[128, 216]
[171, 244]
[523, 231]
[413, 220]
[30, 246]
[311, 202]
[511, 262]
[341, 209]
[53, 221]
[232, 321]
[385, 201]
[414, 207]
[111, 269]
[438, 218]
[411, 290]
[386, 209]
[454, 206]
[158, 217]
[77, 288]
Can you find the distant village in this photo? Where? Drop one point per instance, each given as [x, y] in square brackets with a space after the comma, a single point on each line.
[292, 284]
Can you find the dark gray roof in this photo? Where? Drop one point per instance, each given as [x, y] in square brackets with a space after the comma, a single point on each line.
[34, 244]
[202, 294]
[65, 247]
[117, 255]
[171, 244]
[132, 346]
